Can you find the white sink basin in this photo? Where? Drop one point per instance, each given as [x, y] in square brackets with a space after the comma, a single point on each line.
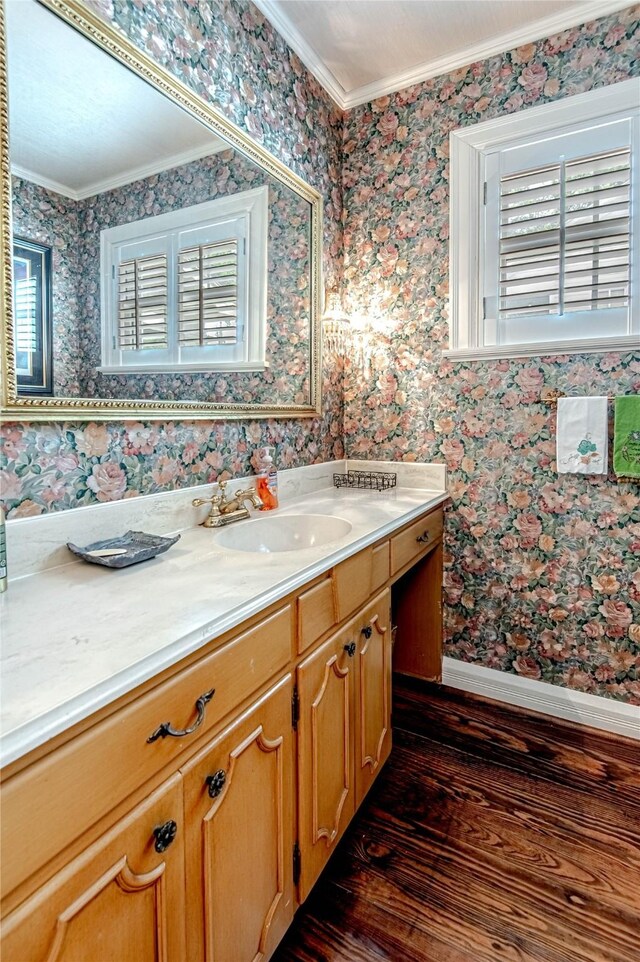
[290, 532]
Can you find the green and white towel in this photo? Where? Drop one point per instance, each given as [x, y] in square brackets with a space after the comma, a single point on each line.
[582, 435]
[626, 436]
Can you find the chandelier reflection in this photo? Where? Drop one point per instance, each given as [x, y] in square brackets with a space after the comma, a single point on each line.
[335, 326]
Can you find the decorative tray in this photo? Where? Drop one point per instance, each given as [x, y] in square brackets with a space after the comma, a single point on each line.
[128, 549]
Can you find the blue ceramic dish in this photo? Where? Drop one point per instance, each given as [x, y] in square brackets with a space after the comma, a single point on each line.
[135, 546]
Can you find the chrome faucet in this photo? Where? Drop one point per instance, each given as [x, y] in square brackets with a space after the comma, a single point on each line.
[225, 511]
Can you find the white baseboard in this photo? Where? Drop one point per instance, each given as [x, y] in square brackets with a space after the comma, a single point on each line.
[576, 706]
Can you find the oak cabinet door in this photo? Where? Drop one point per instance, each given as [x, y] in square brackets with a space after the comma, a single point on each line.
[372, 633]
[239, 810]
[326, 791]
[120, 901]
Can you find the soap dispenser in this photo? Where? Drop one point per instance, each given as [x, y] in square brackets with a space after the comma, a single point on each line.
[267, 481]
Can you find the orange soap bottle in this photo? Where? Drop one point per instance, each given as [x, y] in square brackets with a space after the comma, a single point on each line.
[267, 482]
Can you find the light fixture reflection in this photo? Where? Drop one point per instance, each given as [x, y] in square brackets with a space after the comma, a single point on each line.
[335, 325]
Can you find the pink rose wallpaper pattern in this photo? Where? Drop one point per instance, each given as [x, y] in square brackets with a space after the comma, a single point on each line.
[53, 220]
[542, 573]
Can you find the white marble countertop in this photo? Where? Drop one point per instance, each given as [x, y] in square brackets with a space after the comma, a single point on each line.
[76, 637]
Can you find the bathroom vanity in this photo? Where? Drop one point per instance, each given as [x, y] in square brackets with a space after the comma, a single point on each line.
[188, 817]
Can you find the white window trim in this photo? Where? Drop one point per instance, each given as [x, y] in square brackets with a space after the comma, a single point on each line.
[466, 202]
[254, 205]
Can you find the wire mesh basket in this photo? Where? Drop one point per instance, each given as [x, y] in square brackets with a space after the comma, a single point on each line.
[366, 480]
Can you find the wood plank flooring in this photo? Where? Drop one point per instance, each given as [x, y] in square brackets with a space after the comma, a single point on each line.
[492, 834]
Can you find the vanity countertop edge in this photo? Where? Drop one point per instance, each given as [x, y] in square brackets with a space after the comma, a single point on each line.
[116, 630]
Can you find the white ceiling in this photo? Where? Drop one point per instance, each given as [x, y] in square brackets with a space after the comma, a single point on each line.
[79, 121]
[363, 49]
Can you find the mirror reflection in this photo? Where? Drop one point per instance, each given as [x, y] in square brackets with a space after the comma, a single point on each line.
[151, 259]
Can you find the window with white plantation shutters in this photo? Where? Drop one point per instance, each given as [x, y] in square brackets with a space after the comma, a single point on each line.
[565, 237]
[208, 294]
[143, 303]
[187, 290]
[545, 229]
[32, 316]
[25, 314]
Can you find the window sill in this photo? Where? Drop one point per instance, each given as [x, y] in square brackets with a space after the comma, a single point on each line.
[498, 352]
[229, 367]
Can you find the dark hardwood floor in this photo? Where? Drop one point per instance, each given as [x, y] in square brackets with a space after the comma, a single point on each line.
[492, 834]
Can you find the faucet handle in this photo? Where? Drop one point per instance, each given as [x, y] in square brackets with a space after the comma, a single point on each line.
[222, 491]
[215, 501]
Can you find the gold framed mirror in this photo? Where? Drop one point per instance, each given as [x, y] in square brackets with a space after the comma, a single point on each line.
[157, 262]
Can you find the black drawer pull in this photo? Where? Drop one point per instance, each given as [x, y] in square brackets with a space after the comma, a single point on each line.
[367, 631]
[164, 835]
[350, 649]
[215, 782]
[166, 728]
[423, 538]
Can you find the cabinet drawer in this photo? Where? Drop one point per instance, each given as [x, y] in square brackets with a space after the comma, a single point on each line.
[358, 577]
[415, 540]
[59, 797]
[379, 565]
[316, 613]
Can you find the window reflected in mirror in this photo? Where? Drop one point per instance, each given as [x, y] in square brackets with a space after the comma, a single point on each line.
[186, 290]
[32, 317]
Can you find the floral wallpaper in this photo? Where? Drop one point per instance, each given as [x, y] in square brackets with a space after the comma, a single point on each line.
[44, 217]
[542, 571]
[64, 465]
[231, 55]
[77, 268]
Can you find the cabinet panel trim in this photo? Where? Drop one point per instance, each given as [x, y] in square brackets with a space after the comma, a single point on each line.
[342, 674]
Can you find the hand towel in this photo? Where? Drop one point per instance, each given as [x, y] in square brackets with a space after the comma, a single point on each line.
[582, 435]
[626, 436]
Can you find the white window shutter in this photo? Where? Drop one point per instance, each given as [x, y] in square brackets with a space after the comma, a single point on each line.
[530, 242]
[565, 237]
[597, 231]
[142, 303]
[26, 322]
[208, 294]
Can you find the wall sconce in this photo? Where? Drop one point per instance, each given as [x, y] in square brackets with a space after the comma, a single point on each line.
[335, 325]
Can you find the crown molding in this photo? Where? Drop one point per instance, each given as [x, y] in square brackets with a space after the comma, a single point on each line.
[304, 50]
[25, 174]
[128, 177]
[538, 30]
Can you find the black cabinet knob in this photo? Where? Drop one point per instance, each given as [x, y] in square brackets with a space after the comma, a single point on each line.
[164, 835]
[350, 649]
[215, 782]
[367, 631]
